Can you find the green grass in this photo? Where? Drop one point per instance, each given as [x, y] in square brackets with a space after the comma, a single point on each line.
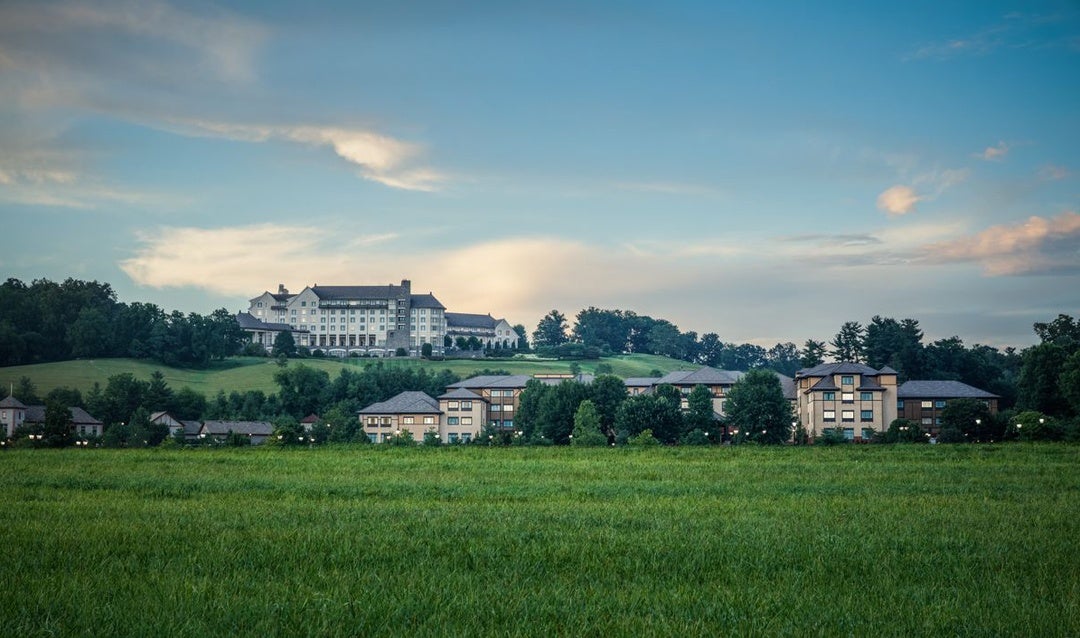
[252, 373]
[863, 541]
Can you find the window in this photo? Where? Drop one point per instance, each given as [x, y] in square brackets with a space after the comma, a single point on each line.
[849, 434]
[939, 403]
[927, 420]
[867, 434]
[848, 397]
[509, 407]
[828, 396]
[847, 416]
[258, 305]
[899, 405]
[937, 420]
[926, 405]
[466, 420]
[451, 405]
[303, 303]
[508, 423]
[408, 420]
[847, 380]
[829, 415]
[866, 415]
[374, 438]
[466, 405]
[451, 420]
[496, 407]
[453, 437]
[466, 437]
[866, 396]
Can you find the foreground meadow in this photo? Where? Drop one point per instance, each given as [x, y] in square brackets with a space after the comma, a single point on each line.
[871, 540]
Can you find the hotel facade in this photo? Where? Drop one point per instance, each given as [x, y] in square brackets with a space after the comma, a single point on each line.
[350, 320]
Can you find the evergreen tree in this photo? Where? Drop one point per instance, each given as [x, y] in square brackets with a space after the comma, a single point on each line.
[757, 408]
[587, 426]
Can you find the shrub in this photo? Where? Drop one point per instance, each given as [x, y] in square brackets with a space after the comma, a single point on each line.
[645, 439]
[950, 435]
[695, 437]
[831, 436]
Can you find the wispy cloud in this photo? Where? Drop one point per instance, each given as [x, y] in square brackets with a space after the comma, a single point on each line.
[993, 153]
[1013, 31]
[1052, 172]
[1036, 246]
[80, 37]
[902, 199]
[380, 158]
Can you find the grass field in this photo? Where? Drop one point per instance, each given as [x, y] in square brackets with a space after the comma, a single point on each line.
[863, 541]
[253, 373]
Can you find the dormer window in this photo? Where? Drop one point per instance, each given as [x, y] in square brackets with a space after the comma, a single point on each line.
[847, 380]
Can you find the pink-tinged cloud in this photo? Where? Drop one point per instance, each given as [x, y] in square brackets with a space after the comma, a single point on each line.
[994, 153]
[898, 200]
[1036, 246]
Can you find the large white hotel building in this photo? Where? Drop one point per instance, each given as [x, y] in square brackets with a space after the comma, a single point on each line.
[347, 320]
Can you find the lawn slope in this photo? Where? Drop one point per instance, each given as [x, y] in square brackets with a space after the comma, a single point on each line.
[253, 373]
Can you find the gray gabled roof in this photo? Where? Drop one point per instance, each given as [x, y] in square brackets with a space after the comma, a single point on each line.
[191, 428]
[701, 376]
[11, 402]
[426, 301]
[389, 291]
[248, 322]
[640, 382]
[845, 367]
[79, 416]
[405, 403]
[941, 390]
[462, 394]
[467, 320]
[250, 428]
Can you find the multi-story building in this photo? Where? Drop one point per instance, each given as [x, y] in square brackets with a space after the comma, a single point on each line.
[924, 401]
[489, 331]
[14, 414]
[851, 398]
[356, 320]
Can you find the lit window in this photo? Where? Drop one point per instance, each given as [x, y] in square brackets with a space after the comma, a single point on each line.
[829, 415]
[847, 397]
[466, 420]
[429, 420]
[451, 405]
[926, 405]
[408, 420]
[847, 416]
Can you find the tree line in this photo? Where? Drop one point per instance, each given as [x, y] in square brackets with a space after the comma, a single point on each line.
[883, 341]
[49, 321]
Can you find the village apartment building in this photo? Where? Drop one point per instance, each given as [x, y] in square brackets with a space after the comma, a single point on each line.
[351, 320]
[923, 401]
[14, 414]
[851, 398]
[502, 393]
[489, 331]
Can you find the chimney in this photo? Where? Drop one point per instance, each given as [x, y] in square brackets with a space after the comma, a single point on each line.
[282, 290]
[406, 286]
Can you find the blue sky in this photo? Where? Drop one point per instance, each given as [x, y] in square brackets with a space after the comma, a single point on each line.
[764, 170]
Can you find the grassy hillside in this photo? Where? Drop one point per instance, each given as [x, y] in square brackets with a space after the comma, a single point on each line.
[251, 373]
[974, 540]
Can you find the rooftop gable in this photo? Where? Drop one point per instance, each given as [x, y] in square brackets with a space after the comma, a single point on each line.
[405, 403]
[941, 390]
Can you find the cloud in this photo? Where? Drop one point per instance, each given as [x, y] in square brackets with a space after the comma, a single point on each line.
[516, 276]
[667, 188]
[1053, 173]
[68, 40]
[381, 158]
[1036, 246]
[827, 240]
[898, 200]
[993, 153]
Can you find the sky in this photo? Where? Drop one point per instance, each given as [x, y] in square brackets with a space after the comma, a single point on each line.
[762, 170]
